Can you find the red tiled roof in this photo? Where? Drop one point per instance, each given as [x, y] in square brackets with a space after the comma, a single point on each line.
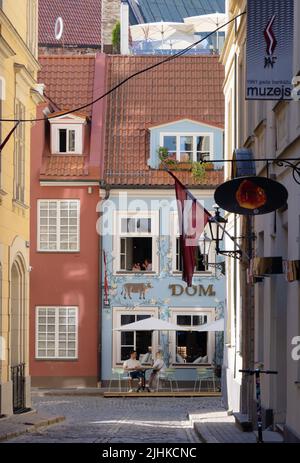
[69, 80]
[65, 166]
[188, 87]
[81, 18]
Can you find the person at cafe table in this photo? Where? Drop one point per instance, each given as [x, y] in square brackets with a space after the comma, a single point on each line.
[133, 367]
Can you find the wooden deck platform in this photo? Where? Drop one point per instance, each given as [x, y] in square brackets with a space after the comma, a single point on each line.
[162, 394]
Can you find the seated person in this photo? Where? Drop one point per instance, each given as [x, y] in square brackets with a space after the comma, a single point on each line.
[158, 366]
[133, 366]
[147, 358]
[147, 266]
[136, 267]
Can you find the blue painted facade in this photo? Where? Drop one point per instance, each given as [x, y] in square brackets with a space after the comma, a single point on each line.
[159, 297]
[185, 126]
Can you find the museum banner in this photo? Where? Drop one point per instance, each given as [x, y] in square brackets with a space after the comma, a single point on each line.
[270, 37]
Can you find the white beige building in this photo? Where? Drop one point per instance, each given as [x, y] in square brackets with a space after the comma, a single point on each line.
[18, 99]
[263, 320]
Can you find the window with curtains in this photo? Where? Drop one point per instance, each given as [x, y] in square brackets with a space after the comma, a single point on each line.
[19, 154]
[58, 225]
[56, 334]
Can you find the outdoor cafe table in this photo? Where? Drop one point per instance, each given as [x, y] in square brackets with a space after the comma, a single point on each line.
[143, 370]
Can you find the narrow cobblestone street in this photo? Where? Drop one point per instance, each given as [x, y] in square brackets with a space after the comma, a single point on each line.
[96, 419]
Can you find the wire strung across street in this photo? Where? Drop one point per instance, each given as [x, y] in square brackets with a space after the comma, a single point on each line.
[113, 89]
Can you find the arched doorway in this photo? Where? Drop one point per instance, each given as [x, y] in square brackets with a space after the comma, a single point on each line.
[18, 332]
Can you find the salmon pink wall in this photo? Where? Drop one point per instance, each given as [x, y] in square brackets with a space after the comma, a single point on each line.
[65, 278]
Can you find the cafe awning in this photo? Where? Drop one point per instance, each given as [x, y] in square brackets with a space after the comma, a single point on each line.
[151, 324]
[217, 325]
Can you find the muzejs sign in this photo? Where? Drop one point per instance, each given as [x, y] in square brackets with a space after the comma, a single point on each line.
[270, 37]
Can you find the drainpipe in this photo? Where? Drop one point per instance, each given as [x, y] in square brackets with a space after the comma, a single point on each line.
[102, 186]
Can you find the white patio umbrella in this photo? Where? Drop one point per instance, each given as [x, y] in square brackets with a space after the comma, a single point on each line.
[151, 324]
[217, 325]
[159, 31]
[207, 22]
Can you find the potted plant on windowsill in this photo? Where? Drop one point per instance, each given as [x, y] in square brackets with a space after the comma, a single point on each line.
[185, 162]
[166, 160]
[198, 171]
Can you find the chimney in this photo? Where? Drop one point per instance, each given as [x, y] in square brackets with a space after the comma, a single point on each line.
[124, 27]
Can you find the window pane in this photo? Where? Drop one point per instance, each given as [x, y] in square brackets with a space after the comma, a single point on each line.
[170, 143]
[143, 342]
[123, 245]
[131, 225]
[191, 346]
[186, 149]
[124, 226]
[139, 254]
[142, 317]
[203, 144]
[184, 320]
[199, 320]
[123, 263]
[125, 319]
[127, 338]
[62, 140]
[144, 225]
[125, 353]
[71, 140]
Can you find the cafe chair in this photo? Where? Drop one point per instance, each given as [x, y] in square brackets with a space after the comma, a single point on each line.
[118, 374]
[168, 376]
[205, 375]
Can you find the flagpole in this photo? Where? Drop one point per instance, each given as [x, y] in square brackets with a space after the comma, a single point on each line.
[211, 217]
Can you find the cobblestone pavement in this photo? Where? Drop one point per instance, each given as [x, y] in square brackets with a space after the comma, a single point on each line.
[121, 420]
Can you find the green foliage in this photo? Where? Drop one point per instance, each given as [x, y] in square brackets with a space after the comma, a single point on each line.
[165, 159]
[116, 37]
[198, 171]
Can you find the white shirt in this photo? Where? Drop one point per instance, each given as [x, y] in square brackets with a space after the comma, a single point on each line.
[131, 364]
[159, 364]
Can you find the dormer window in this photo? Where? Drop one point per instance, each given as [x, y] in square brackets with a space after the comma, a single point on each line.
[188, 147]
[66, 140]
[67, 135]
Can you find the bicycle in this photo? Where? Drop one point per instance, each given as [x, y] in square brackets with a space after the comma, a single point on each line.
[257, 372]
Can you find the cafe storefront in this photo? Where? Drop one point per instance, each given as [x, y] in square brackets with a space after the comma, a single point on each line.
[134, 294]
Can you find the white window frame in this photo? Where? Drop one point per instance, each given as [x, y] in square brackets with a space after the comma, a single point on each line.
[117, 312]
[55, 128]
[56, 333]
[174, 234]
[58, 242]
[189, 134]
[118, 216]
[210, 313]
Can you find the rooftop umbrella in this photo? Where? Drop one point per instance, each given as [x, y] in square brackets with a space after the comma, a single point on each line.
[207, 22]
[159, 31]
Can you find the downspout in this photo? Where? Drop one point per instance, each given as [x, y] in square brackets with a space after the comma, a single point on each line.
[102, 185]
[235, 217]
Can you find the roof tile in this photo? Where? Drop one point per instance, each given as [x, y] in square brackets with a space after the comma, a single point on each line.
[69, 80]
[188, 87]
[81, 19]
